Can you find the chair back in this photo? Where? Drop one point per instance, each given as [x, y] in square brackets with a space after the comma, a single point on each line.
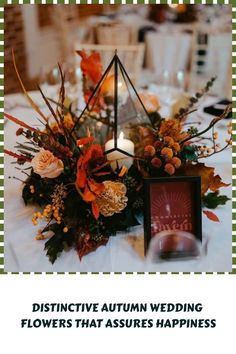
[211, 56]
[168, 52]
[113, 34]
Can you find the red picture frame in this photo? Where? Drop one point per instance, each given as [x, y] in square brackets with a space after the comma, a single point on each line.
[172, 203]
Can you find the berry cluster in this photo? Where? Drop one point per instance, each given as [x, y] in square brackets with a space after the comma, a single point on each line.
[164, 154]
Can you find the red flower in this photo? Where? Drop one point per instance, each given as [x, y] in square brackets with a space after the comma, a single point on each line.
[85, 141]
[91, 159]
[96, 103]
[91, 65]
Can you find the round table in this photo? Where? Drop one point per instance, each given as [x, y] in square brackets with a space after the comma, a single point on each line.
[22, 253]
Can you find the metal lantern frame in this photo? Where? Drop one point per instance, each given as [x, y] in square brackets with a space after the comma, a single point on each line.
[117, 65]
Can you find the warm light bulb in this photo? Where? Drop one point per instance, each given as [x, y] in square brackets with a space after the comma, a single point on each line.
[119, 84]
[121, 136]
[173, 6]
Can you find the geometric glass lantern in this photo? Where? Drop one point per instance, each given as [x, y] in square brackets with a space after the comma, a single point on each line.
[119, 108]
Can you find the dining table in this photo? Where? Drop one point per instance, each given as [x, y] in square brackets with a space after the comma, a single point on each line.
[23, 253]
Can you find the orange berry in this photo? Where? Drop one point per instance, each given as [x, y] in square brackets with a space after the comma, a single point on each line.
[149, 151]
[168, 140]
[176, 162]
[167, 153]
[176, 147]
[156, 162]
[158, 145]
[169, 168]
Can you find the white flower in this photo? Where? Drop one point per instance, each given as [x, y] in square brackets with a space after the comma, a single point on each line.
[46, 164]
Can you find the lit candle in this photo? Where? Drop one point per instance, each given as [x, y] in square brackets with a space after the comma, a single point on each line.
[122, 159]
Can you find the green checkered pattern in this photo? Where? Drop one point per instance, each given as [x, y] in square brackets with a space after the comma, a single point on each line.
[8, 2]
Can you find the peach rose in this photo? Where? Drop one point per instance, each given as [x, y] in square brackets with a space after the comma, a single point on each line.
[46, 164]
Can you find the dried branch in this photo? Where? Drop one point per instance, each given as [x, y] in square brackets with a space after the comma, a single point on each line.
[60, 124]
[215, 152]
[22, 124]
[32, 103]
[227, 110]
[183, 112]
[62, 88]
[13, 154]
[49, 106]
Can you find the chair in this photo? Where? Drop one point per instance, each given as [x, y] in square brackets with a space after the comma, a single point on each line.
[211, 56]
[113, 34]
[167, 52]
[131, 56]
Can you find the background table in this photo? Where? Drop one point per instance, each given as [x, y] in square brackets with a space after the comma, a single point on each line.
[23, 253]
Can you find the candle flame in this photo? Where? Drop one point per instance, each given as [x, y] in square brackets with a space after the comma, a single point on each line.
[121, 136]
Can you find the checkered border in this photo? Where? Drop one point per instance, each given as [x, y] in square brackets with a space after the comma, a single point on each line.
[8, 2]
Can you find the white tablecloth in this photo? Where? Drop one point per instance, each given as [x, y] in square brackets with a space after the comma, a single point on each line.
[24, 253]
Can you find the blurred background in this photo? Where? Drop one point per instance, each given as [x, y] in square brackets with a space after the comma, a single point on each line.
[176, 45]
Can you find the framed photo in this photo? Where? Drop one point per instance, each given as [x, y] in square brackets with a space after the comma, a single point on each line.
[172, 203]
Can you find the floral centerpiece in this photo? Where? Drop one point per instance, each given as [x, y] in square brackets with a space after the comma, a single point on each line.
[82, 200]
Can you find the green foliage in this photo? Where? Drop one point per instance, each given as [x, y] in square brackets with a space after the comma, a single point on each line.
[212, 200]
[155, 118]
[42, 190]
[75, 209]
[130, 183]
[189, 153]
[59, 242]
[119, 222]
[192, 131]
